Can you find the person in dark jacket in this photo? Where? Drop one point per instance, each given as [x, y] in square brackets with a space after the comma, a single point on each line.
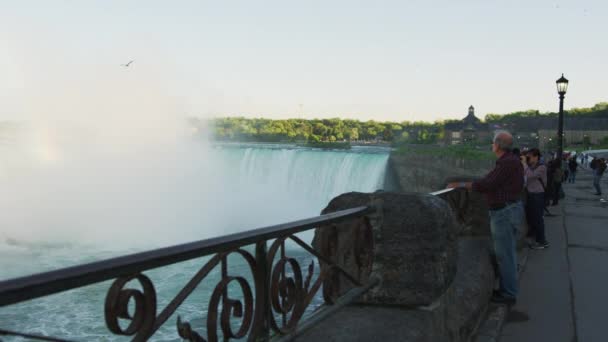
[598, 166]
[572, 166]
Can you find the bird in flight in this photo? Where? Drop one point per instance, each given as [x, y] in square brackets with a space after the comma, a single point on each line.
[127, 65]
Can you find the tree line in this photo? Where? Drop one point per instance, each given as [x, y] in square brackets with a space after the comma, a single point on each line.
[323, 130]
[599, 110]
[331, 130]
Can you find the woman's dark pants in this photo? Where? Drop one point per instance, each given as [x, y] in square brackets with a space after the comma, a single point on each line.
[535, 206]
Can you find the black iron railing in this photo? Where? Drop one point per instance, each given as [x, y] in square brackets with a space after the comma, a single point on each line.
[272, 306]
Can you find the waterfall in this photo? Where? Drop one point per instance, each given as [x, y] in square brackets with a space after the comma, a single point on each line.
[197, 193]
[304, 179]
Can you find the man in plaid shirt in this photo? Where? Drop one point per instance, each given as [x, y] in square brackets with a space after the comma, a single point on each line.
[502, 188]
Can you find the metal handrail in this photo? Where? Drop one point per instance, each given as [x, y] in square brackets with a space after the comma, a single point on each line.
[276, 292]
[42, 284]
[441, 192]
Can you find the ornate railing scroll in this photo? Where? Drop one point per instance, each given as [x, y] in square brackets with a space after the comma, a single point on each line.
[272, 303]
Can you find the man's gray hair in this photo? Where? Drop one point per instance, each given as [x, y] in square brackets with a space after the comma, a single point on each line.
[504, 140]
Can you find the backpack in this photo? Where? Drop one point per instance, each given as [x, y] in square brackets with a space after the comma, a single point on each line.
[558, 175]
[601, 167]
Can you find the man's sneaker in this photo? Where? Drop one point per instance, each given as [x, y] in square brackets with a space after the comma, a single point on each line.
[501, 299]
[538, 246]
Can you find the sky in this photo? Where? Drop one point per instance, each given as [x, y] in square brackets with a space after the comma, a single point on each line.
[380, 60]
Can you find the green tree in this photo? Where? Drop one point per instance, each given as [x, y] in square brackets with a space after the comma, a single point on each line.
[266, 130]
[354, 133]
[320, 129]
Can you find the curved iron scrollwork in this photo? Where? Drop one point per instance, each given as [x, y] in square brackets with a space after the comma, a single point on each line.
[231, 307]
[184, 330]
[290, 292]
[290, 295]
[117, 306]
[144, 322]
[283, 289]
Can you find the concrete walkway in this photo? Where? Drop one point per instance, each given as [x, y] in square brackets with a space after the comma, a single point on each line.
[564, 289]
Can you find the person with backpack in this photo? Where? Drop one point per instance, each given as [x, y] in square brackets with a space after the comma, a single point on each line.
[536, 178]
[572, 166]
[598, 166]
[557, 179]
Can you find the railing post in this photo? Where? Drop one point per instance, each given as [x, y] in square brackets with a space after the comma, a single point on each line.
[261, 322]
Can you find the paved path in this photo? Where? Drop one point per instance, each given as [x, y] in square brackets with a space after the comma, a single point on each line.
[564, 289]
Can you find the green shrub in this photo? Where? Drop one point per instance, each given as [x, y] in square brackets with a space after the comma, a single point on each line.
[454, 151]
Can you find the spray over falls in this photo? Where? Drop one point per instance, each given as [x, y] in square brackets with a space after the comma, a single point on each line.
[60, 215]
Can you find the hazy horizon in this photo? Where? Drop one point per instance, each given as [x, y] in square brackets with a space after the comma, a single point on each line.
[329, 116]
[419, 61]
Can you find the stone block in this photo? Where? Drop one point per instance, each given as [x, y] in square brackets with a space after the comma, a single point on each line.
[470, 208]
[409, 244]
[453, 317]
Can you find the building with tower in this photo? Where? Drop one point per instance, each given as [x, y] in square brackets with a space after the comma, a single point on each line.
[470, 130]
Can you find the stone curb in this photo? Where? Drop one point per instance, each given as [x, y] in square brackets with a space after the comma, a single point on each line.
[489, 330]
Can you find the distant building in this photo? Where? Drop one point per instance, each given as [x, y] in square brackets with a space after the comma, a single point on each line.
[576, 131]
[528, 131]
[525, 138]
[468, 130]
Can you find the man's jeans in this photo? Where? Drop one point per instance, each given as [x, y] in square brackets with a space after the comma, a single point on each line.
[596, 182]
[505, 224]
[572, 177]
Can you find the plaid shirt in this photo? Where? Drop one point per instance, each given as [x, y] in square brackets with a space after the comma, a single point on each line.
[504, 183]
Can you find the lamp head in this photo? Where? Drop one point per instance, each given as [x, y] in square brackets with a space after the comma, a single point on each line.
[562, 85]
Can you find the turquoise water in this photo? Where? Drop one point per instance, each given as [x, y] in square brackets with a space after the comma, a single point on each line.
[198, 193]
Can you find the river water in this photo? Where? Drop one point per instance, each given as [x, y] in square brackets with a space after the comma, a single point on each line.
[59, 214]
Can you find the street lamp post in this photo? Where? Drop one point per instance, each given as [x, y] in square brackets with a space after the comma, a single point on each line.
[562, 87]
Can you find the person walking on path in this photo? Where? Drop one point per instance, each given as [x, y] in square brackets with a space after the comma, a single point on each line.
[572, 166]
[583, 158]
[598, 166]
[502, 188]
[536, 178]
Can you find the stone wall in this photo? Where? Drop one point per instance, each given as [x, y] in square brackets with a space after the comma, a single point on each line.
[433, 284]
[425, 173]
[432, 256]
[409, 244]
[470, 208]
[453, 316]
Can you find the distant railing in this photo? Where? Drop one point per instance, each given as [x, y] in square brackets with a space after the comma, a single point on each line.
[274, 293]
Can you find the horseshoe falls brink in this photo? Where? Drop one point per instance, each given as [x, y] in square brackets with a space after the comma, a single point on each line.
[59, 218]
